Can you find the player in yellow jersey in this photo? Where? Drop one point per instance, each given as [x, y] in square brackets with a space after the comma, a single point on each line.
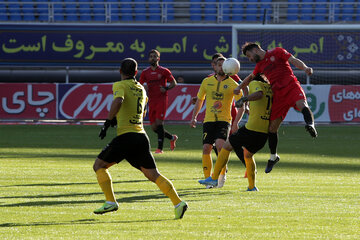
[218, 91]
[250, 138]
[131, 143]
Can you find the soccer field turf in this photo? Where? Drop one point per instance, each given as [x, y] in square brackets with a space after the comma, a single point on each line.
[49, 190]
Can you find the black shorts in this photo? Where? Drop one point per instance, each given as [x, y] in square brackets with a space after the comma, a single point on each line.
[215, 130]
[251, 140]
[134, 147]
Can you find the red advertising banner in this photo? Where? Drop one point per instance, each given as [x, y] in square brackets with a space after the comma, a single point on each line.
[84, 101]
[344, 104]
[330, 103]
[27, 101]
[179, 104]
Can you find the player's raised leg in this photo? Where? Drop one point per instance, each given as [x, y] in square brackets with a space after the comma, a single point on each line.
[273, 142]
[168, 189]
[308, 117]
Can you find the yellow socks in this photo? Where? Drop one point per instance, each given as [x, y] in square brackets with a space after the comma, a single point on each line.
[207, 164]
[168, 189]
[104, 180]
[222, 160]
[250, 169]
[223, 170]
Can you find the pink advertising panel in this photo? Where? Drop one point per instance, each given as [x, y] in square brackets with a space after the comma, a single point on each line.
[27, 101]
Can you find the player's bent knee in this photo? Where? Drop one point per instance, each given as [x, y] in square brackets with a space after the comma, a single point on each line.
[99, 164]
[151, 174]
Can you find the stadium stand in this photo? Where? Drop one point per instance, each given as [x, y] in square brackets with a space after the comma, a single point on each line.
[195, 10]
[320, 12]
[126, 10]
[154, 10]
[237, 10]
[172, 11]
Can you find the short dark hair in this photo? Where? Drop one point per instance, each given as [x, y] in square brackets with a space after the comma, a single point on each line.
[248, 46]
[220, 58]
[216, 56]
[261, 78]
[129, 67]
[154, 51]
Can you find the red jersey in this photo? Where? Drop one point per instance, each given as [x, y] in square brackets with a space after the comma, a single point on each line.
[276, 68]
[154, 79]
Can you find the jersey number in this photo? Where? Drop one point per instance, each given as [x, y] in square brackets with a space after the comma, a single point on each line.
[139, 106]
[268, 102]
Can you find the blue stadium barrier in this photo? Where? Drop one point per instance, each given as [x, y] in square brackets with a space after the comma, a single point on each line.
[252, 11]
[154, 10]
[210, 10]
[140, 10]
[237, 10]
[170, 9]
[3, 12]
[266, 5]
[225, 10]
[321, 11]
[71, 12]
[14, 11]
[114, 10]
[28, 10]
[99, 10]
[348, 10]
[126, 10]
[293, 11]
[195, 11]
[42, 10]
[85, 10]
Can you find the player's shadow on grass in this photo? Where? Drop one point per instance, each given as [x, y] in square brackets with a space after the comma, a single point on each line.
[135, 198]
[79, 222]
[69, 184]
[317, 166]
[59, 155]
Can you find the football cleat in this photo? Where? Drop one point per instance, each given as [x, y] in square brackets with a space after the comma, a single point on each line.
[221, 180]
[173, 142]
[180, 210]
[209, 182]
[311, 129]
[255, 189]
[106, 207]
[271, 164]
[159, 151]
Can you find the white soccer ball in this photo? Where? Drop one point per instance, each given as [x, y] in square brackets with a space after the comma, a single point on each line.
[231, 66]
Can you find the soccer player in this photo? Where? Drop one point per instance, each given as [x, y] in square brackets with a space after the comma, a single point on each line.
[250, 138]
[155, 78]
[131, 143]
[287, 91]
[237, 79]
[218, 90]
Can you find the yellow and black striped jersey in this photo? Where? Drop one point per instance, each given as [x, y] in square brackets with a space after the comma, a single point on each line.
[260, 109]
[219, 98]
[130, 116]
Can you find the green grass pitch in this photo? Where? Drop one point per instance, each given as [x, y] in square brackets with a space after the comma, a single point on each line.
[49, 190]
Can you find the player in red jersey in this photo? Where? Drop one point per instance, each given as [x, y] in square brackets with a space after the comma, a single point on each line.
[155, 79]
[287, 91]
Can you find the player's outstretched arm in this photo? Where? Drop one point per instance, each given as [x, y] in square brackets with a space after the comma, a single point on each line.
[300, 65]
[244, 83]
[115, 107]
